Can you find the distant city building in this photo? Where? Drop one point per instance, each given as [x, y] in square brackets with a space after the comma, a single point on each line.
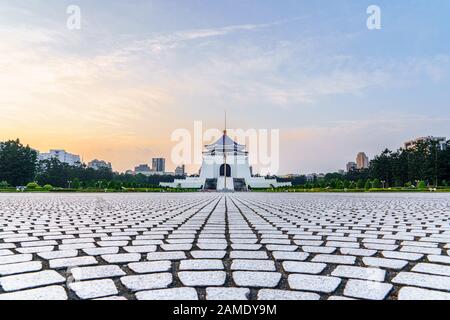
[62, 156]
[159, 164]
[351, 166]
[180, 171]
[142, 168]
[145, 170]
[99, 164]
[362, 161]
[291, 176]
[314, 177]
[341, 172]
[442, 141]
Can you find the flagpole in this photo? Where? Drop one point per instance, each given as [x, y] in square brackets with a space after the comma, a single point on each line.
[224, 154]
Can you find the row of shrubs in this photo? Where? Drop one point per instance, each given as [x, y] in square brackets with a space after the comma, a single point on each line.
[312, 190]
[34, 187]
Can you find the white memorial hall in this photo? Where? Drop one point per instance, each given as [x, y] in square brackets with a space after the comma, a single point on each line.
[225, 167]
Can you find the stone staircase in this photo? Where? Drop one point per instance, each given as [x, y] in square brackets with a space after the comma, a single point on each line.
[210, 184]
[240, 185]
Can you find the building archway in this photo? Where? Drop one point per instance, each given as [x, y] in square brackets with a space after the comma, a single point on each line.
[228, 170]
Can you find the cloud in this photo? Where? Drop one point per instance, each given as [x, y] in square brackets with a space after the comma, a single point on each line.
[127, 93]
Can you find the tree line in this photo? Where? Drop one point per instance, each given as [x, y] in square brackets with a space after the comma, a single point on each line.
[19, 165]
[424, 165]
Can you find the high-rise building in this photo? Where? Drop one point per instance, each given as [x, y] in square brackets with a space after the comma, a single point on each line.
[62, 156]
[159, 164]
[99, 164]
[180, 171]
[362, 161]
[442, 141]
[351, 166]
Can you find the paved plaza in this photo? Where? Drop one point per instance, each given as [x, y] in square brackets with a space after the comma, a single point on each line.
[240, 246]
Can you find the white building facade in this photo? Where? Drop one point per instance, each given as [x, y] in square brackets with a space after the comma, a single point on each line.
[441, 141]
[62, 156]
[99, 164]
[225, 167]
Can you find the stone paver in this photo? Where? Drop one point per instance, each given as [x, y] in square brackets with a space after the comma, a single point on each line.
[256, 279]
[170, 255]
[294, 256]
[72, 262]
[253, 265]
[149, 267]
[97, 272]
[276, 246]
[208, 254]
[367, 289]
[30, 280]
[15, 258]
[121, 257]
[202, 278]
[372, 274]
[422, 280]
[272, 294]
[432, 269]
[58, 254]
[168, 294]
[411, 293]
[94, 289]
[336, 259]
[323, 284]
[9, 269]
[45, 293]
[227, 293]
[201, 264]
[147, 281]
[303, 267]
[385, 263]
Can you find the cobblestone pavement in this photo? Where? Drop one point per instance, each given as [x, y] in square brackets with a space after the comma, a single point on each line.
[217, 246]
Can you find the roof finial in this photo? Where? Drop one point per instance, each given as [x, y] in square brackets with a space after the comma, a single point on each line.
[225, 130]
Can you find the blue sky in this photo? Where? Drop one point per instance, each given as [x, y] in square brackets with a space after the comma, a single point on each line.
[137, 70]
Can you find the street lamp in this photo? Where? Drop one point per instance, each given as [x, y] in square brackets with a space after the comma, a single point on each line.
[69, 182]
[436, 167]
[383, 182]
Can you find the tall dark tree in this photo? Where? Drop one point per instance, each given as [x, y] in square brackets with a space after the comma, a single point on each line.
[382, 167]
[17, 163]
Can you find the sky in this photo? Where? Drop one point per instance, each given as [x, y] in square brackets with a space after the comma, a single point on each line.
[136, 71]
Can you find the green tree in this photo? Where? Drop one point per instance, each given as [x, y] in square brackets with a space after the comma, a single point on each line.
[4, 184]
[76, 184]
[422, 185]
[368, 185]
[376, 184]
[32, 185]
[381, 166]
[17, 163]
[360, 184]
[340, 185]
